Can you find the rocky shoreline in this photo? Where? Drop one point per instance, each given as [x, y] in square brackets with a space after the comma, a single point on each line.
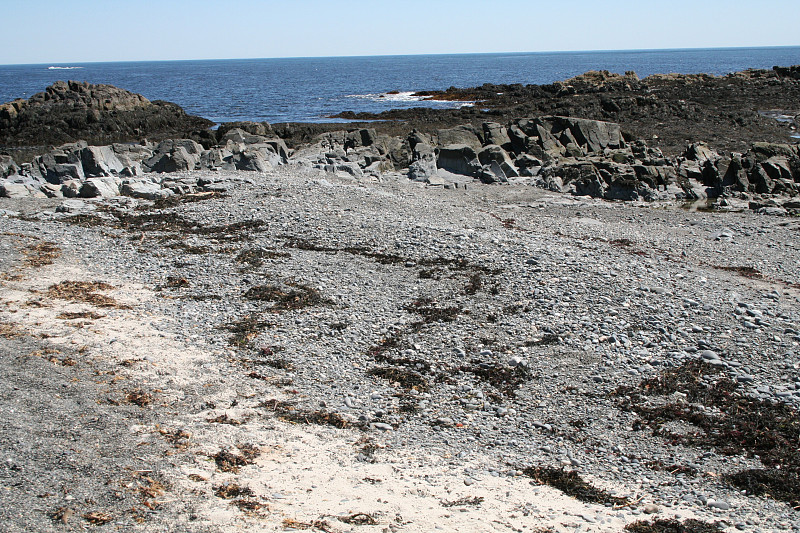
[578, 156]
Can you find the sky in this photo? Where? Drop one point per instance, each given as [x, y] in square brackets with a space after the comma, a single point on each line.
[80, 31]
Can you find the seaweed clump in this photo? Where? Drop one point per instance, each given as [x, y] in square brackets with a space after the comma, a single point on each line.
[730, 423]
[673, 526]
[408, 379]
[289, 413]
[290, 297]
[227, 461]
[505, 379]
[430, 312]
[572, 484]
[84, 292]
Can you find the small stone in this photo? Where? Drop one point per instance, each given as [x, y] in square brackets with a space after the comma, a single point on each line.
[382, 426]
[709, 355]
[716, 504]
[650, 509]
[444, 422]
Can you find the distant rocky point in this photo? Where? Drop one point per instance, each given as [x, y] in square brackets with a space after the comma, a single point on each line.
[99, 114]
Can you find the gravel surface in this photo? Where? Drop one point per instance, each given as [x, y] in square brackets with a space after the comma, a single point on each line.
[364, 356]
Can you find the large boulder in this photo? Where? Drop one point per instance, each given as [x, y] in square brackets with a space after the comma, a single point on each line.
[100, 161]
[146, 189]
[590, 135]
[238, 135]
[362, 137]
[261, 129]
[538, 135]
[131, 156]
[220, 158]
[253, 159]
[173, 156]
[460, 135]
[7, 166]
[21, 187]
[495, 154]
[99, 187]
[459, 159]
[494, 133]
[700, 152]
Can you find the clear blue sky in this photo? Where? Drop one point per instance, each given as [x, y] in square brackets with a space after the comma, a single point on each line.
[75, 31]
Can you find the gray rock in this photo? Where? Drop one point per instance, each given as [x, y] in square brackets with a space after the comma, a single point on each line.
[592, 135]
[423, 166]
[459, 159]
[147, 190]
[718, 504]
[9, 189]
[497, 134]
[74, 206]
[464, 135]
[100, 187]
[173, 156]
[7, 166]
[100, 161]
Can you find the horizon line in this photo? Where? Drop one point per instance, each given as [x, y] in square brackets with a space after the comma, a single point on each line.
[597, 51]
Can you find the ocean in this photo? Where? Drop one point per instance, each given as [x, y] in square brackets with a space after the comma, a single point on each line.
[311, 89]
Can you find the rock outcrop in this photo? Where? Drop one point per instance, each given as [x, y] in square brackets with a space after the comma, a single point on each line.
[77, 169]
[100, 114]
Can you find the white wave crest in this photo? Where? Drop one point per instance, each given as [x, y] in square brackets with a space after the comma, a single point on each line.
[409, 96]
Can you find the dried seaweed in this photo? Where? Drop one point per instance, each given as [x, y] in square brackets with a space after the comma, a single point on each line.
[179, 438]
[505, 379]
[249, 507]
[179, 199]
[139, 397]
[744, 271]
[474, 284]
[320, 525]
[388, 258]
[408, 379]
[772, 483]
[292, 296]
[232, 490]
[245, 330]
[225, 419]
[673, 526]
[358, 519]
[430, 312]
[288, 412]
[41, 254]
[319, 418]
[471, 501]
[731, 423]
[97, 518]
[8, 331]
[227, 461]
[91, 315]
[255, 257]
[84, 292]
[571, 484]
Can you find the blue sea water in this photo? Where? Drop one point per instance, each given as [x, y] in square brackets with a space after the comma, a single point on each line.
[310, 89]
